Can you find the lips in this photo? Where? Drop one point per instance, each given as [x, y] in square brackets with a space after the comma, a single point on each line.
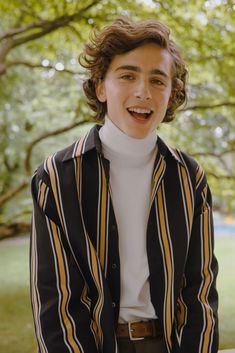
[140, 113]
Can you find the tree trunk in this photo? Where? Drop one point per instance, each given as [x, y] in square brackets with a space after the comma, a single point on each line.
[13, 230]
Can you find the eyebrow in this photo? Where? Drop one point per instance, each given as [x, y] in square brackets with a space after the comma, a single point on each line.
[138, 69]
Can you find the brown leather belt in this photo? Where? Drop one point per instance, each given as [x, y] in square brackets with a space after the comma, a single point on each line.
[139, 330]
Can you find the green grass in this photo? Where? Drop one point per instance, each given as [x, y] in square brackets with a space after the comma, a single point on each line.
[16, 325]
[225, 252]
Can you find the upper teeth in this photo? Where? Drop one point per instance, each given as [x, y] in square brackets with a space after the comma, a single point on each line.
[140, 111]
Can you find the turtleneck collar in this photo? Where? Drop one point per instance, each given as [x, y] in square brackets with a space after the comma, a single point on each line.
[116, 141]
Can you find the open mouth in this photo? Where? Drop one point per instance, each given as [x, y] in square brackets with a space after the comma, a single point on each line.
[139, 113]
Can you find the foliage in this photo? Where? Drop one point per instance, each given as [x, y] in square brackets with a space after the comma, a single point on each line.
[41, 85]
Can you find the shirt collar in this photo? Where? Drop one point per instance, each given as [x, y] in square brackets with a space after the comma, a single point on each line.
[91, 141]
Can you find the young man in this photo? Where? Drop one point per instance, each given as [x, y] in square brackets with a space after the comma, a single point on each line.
[122, 234]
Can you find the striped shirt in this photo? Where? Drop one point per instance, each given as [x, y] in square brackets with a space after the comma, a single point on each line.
[74, 256]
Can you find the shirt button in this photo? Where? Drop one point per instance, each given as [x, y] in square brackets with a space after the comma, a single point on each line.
[114, 266]
[113, 304]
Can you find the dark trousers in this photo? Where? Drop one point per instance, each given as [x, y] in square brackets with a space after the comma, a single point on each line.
[151, 345]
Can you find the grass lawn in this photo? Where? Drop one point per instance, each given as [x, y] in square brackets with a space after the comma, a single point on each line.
[16, 325]
[225, 252]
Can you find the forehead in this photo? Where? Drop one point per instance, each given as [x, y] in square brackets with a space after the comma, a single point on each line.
[147, 57]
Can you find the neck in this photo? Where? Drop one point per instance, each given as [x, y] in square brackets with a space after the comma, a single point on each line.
[117, 141]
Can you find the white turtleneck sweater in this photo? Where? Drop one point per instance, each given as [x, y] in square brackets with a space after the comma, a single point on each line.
[131, 168]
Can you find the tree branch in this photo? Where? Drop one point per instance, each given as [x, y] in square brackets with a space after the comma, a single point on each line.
[209, 106]
[10, 194]
[44, 136]
[50, 26]
[13, 230]
[27, 163]
[212, 154]
[40, 66]
[15, 31]
[74, 30]
[17, 36]
[221, 176]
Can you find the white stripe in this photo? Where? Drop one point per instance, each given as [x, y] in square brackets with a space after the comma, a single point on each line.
[45, 166]
[75, 149]
[84, 142]
[201, 178]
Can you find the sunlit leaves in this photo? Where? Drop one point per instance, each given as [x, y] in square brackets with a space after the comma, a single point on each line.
[39, 91]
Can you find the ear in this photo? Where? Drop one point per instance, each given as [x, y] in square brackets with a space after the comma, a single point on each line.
[100, 91]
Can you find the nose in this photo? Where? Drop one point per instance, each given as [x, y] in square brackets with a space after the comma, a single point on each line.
[143, 90]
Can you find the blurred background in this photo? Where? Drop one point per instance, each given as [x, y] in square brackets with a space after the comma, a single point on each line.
[43, 109]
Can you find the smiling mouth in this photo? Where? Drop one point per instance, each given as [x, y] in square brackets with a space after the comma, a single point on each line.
[139, 113]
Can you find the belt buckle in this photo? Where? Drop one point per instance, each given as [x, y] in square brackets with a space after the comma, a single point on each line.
[130, 330]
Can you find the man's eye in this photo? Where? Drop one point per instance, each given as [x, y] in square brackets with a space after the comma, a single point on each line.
[127, 77]
[157, 82]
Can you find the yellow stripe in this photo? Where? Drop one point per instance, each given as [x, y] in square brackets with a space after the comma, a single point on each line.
[54, 187]
[63, 288]
[95, 271]
[207, 282]
[78, 151]
[187, 193]
[157, 174]
[181, 314]
[167, 253]
[199, 174]
[84, 296]
[42, 194]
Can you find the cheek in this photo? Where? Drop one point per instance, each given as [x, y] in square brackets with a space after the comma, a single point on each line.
[167, 95]
[115, 94]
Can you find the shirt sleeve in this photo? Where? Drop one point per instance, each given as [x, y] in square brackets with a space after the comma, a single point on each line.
[197, 320]
[55, 298]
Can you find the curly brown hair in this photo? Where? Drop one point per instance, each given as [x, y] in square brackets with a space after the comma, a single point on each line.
[120, 37]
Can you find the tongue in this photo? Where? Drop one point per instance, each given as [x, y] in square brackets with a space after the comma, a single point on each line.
[142, 116]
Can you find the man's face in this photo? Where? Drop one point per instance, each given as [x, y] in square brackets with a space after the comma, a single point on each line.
[137, 89]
